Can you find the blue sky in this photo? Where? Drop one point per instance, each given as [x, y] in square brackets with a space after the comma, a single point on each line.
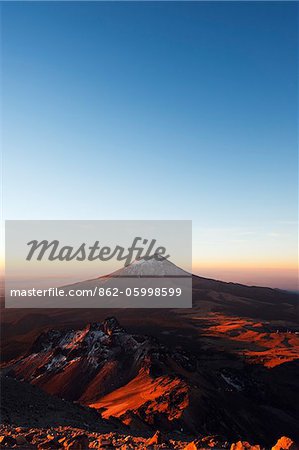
[157, 111]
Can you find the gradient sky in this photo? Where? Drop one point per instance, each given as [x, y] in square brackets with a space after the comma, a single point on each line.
[166, 110]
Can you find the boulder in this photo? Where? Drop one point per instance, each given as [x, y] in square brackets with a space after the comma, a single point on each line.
[7, 440]
[194, 445]
[244, 445]
[105, 442]
[79, 442]
[29, 436]
[21, 440]
[52, 444]
[50, 437]
[157, 439]
[285, 443]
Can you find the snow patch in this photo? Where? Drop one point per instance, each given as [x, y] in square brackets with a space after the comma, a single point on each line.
[231, 382]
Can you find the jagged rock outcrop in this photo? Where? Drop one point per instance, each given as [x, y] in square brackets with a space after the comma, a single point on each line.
[156, 439]
[285, 443]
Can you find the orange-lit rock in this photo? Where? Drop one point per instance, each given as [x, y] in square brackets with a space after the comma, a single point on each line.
[156, 439]
[243, 445]
[285, 443]
[194, 445]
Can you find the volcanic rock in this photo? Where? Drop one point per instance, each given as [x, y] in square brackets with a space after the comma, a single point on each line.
[156, 439]
[79, 442]
[7, 440]
[285, 443]
[194, 445]
[243, 445]
[49, 444]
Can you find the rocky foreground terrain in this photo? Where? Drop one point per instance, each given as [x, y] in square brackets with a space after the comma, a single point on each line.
[68, 438]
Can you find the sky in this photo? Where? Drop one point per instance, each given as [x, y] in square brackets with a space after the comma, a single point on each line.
[159, 110]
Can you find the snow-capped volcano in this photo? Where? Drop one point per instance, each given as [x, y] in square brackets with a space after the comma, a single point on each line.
[156, 266]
